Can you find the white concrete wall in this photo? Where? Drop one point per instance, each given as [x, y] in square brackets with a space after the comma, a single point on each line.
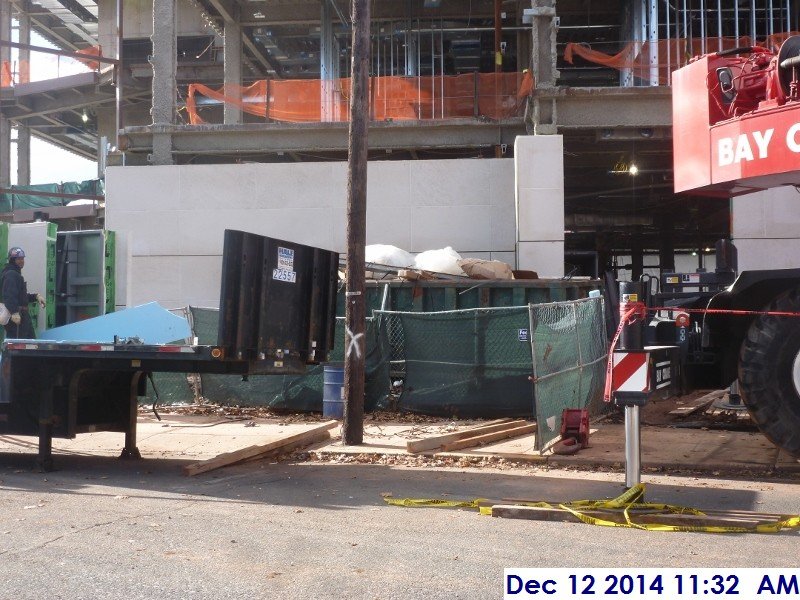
[766, 229]
[539, 161]
[170, 219]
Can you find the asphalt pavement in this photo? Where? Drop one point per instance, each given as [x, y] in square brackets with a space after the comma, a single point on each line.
[103, 528]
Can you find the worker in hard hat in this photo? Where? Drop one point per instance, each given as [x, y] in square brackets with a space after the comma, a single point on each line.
[16, 297]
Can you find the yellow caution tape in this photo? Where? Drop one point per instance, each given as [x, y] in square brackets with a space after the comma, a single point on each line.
[435, 502]
[627, 502]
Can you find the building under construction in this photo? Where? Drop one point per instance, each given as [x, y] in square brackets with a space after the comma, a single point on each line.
[535, 132]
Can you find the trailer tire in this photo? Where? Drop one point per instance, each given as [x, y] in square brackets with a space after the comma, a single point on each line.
[769, 372]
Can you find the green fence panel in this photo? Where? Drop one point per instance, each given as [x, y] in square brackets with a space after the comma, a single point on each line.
[465, 363]
[569, 348]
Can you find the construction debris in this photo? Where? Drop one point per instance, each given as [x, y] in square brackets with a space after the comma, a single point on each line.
[282, 445]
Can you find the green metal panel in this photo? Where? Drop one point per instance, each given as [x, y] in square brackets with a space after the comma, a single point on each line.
[439, 295]
[110, 270]
[50, 281]
[4, 240]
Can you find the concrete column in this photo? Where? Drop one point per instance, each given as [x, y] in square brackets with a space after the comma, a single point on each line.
[106, 26]
[23, 133]
[328, 65]
[164, 60]
[539, 176]
[5, 124]
[544, 27]
[233, 70]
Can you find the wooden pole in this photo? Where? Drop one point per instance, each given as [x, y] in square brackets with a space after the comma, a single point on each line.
[355, 346]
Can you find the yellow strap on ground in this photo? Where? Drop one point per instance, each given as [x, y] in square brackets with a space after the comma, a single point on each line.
[435, 502]
[627, 502]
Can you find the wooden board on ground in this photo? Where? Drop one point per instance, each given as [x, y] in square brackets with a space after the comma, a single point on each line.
[487, 438]
[287, 443]
[437, 441]
[698, 403]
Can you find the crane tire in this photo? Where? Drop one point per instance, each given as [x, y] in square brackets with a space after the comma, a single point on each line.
[769, 372]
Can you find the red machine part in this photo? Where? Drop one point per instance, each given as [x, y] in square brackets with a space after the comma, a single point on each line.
[736, 121]
[575, 425]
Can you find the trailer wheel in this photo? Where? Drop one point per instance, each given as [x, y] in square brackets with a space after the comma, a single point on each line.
[769, 373]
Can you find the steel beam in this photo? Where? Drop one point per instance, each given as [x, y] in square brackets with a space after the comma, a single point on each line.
[77, 9]
[582, 108]
[322, 137]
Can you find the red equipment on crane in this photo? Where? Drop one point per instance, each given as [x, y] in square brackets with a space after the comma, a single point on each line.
[736, 124]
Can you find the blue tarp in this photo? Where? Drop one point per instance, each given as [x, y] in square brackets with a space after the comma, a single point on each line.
[151, 323]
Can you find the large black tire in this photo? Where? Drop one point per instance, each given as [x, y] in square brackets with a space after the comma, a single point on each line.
[769, 373]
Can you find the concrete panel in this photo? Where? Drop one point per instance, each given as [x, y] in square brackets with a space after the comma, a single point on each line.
[466, 229]
[480, 255]
[163, 188]
[307, 226]
[506, 257]
[541, 214]
[180, 212]
[162, 275]
[775, 253]
[200, 280]
[546, 258]
[378, 233]
[770, 214]
[378, 192]
[501, 188]
[162, 233]
[747, 216]
[766, 229]
[539, 191]
[540, 160]
[463, 184]
[503, 229]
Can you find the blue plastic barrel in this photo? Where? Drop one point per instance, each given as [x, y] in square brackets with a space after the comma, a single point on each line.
[333, 390]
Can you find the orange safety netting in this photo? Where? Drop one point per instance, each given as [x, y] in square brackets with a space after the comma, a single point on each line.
[493, 95]
[91, 51]
[672, 53]
[6, 79]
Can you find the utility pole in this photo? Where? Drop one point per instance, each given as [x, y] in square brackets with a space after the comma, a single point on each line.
[355, 314]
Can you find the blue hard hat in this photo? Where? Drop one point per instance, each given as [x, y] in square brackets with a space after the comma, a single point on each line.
[16, 252]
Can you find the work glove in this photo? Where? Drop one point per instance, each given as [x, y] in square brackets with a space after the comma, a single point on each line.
[40, 300]
[16, 318]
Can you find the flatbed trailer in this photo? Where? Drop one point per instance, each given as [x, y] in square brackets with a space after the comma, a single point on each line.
[61, 389]
[277, 315]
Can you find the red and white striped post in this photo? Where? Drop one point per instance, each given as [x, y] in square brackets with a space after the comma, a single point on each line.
[631, 374]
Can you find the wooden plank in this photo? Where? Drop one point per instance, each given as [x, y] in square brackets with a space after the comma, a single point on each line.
[486, 438]
[293, 441]
[698, 403]
[437, 441]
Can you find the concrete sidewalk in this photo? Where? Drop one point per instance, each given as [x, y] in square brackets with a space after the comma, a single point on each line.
[194, 438]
